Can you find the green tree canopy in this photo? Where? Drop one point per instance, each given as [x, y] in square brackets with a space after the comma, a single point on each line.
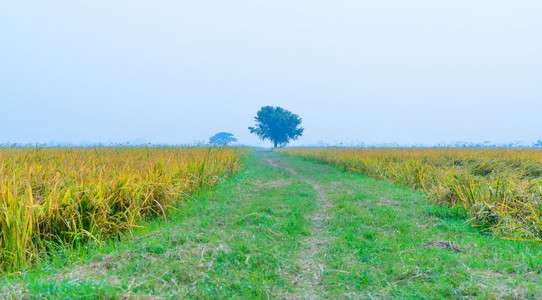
[277, 125]
[222, 138]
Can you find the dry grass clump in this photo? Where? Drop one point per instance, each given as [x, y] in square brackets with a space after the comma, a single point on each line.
[72, 195]
[500, 188]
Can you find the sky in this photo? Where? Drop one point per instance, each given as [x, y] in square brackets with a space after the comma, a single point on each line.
[356, 71]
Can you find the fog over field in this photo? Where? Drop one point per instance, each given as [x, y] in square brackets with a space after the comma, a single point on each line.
[409, 72]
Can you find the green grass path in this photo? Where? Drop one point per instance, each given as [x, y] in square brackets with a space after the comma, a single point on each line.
[294, 229]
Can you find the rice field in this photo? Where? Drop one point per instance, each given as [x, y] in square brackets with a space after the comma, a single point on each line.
[69, 196]
[500, 189]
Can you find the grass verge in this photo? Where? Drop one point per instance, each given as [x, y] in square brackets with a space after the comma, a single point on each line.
[288, 228]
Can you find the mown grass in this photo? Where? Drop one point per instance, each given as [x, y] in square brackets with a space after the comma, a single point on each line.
[386, 241]
[245, 239]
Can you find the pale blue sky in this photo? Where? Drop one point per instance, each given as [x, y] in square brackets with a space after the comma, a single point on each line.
[174, 72]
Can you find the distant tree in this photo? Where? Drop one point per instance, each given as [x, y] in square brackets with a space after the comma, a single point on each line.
[277, 125]
[222, 138]
[538, 144]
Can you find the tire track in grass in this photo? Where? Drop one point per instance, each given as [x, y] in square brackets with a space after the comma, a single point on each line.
[308, 283]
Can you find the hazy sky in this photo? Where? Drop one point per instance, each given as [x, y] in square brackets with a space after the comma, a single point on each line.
[175, 72]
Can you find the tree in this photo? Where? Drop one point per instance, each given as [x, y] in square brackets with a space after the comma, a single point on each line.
[277, 125]
[222, 138]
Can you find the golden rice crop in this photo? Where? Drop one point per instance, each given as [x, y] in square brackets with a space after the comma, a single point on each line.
[69, 195]
[501, 189]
